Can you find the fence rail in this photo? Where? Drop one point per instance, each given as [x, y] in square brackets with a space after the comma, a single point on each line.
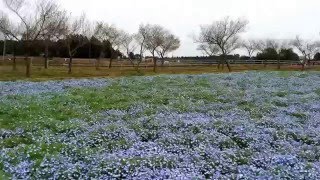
[38, 61]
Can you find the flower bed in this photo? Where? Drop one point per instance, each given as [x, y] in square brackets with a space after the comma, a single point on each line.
[256, 125]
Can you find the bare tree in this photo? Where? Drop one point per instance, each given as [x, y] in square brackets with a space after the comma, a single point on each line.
[251, 46]
[209, 49]
[140, 38]
[224, 34]
[260, 45]
[98, 33]
[170, 44]
[154, 39]
[113, 35]
[76, 35]
[54, 30]
[14, 58]
[307, 48]
[11, 33]
[30, 24]
[129, 46]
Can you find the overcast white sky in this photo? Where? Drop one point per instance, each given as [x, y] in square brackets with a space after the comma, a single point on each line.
[268, 18]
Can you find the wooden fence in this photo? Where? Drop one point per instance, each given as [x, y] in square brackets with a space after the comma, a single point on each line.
[38, 61]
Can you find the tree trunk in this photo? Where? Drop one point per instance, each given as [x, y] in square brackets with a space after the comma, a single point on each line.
[110, 63]
[224, 61]
[228, 65]
[154, 63]
[279, 62]
[219, 63]
[162, 60]
[304, 63]
[14, 63]
[28, 66]
[138, 64]
[70, 65]
[131, 60]
[46, 55]
[27, 59]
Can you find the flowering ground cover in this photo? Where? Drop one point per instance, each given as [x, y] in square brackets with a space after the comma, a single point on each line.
[254, 125]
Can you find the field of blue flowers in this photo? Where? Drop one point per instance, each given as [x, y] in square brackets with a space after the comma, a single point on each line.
[254, 125]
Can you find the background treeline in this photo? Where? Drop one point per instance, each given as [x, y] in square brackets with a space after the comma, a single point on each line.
[92, 49]
[267, 54]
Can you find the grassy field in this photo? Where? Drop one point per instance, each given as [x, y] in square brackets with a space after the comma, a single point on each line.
[84, 68]
[216, 126]
[39, 73]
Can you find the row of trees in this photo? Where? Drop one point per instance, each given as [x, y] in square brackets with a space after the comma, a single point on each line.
[153, 38]
[50, 24]
[223, 37]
